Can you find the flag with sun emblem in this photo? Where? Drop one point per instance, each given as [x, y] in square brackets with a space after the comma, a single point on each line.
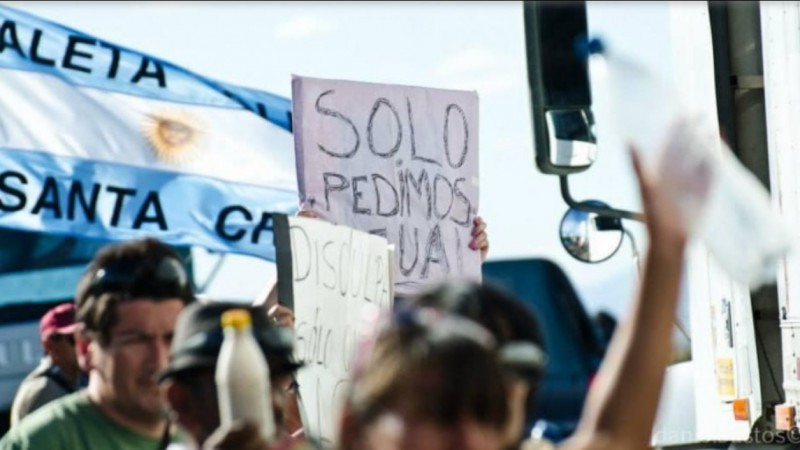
[102, 141]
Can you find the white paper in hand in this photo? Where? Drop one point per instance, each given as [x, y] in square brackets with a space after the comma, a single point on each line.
[721, 203]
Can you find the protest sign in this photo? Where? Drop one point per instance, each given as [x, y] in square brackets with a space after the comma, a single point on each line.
[397, 161]
[338, 281]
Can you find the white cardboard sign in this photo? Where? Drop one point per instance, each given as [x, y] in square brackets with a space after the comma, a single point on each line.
[341, 283]
[397, 161]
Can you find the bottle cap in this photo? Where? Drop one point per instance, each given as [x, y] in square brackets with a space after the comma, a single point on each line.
[236, 318]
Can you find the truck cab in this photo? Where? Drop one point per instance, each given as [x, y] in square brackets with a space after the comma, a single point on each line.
[574, 341]
[738, 386]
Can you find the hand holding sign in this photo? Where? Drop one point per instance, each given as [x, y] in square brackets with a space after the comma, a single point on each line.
[480, 239]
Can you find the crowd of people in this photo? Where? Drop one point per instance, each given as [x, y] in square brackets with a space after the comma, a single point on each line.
[130, 365]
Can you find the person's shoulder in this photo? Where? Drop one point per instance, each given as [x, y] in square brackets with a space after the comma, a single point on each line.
[68, 405]
[29, 397]
[34, 380]
[45, 425]
[38, 379]
[29, 388]
[49, 426]
[39, 429]
[41, 389]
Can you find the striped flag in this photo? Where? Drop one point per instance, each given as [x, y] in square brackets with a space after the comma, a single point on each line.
[101, 141]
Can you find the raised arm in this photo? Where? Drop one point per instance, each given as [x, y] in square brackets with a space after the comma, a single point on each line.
[621, 407]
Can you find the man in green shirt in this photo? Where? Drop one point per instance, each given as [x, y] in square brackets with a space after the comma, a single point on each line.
[127, 302]
[74, 422]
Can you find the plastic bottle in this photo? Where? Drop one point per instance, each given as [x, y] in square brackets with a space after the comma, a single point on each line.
[242, 375]
[721, 203]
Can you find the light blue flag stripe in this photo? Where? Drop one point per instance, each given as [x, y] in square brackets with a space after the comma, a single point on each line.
[40, 191]
[31, 43]
[178, 208]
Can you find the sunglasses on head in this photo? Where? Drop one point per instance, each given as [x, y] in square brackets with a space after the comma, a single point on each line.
[525, 360]
[164, 277]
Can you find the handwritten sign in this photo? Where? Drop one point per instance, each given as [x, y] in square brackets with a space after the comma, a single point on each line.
[396, 161]
[340, 281]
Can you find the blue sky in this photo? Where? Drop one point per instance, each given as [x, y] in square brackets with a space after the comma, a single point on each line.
[454, 45]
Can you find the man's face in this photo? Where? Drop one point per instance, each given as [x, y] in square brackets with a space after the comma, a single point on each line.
[138, 349]
[197, 407]
[61, 348]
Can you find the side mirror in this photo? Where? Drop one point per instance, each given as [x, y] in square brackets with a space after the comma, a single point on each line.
[561, 98]
[590, 237]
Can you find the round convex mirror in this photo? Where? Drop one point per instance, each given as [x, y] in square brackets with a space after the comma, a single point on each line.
[590, 237]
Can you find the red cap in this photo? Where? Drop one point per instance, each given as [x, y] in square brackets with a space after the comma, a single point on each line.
[60, 319]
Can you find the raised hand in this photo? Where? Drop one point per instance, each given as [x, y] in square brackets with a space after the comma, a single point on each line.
[480, 240]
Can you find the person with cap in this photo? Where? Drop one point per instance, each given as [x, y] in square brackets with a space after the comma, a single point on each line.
[190, 385]
[127, 303]
[58, 372]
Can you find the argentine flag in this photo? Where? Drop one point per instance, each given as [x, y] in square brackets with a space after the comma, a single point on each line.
[101, 141]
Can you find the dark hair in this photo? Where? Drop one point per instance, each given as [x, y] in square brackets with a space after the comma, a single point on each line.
[508, 319]
[126, 271]
[429, 366]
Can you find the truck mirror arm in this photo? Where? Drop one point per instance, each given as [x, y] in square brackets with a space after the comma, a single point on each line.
[583, 206]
